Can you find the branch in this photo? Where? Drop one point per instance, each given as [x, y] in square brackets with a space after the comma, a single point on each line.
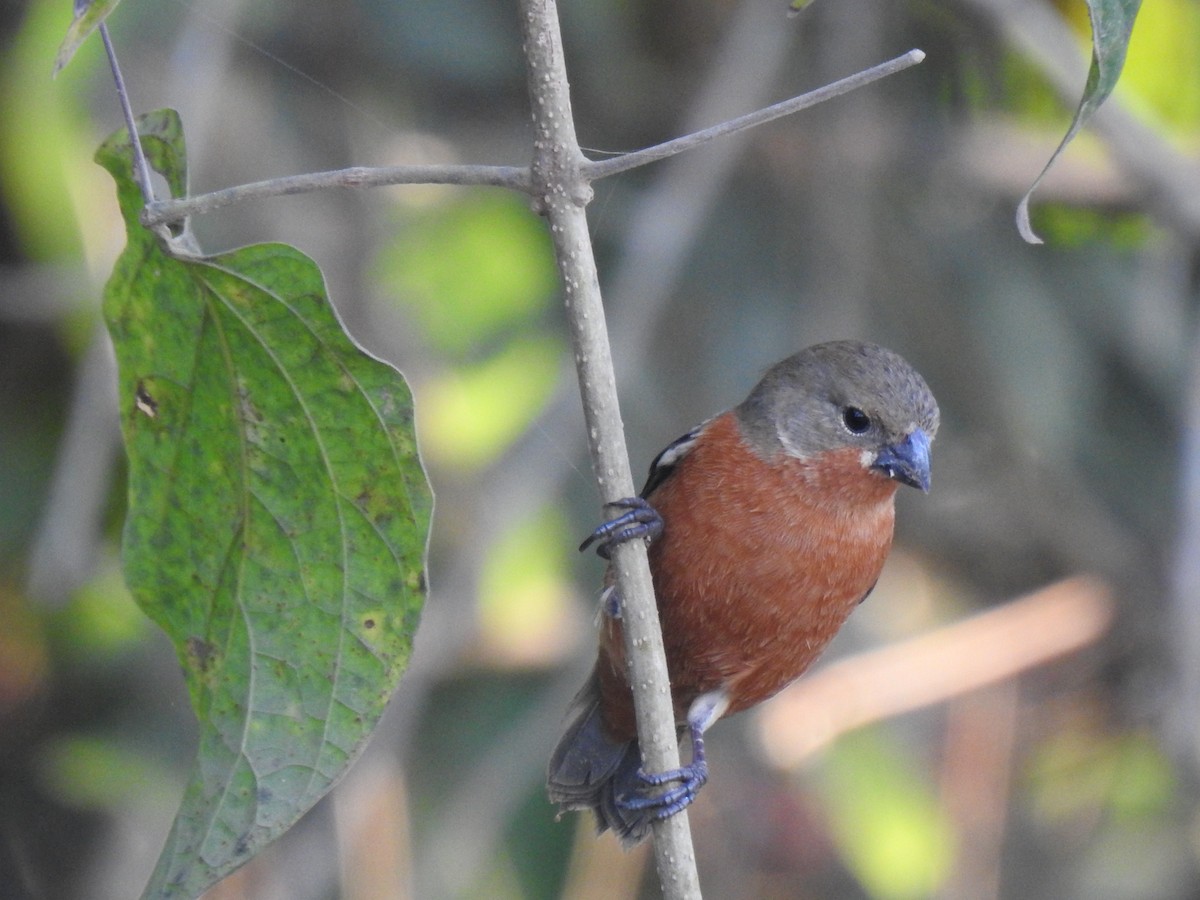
[516, 178]
[164, 211]
[617, 164]
[562, 193]
[141, 168]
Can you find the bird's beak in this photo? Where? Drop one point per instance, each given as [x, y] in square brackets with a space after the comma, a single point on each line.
[907, 461]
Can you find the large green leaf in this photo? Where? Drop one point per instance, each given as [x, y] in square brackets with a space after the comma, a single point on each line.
[277, 523]
[1112, 25]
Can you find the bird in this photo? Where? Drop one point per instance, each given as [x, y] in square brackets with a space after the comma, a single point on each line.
[767, 525]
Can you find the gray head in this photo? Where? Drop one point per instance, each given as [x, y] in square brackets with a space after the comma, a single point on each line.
[840, 395]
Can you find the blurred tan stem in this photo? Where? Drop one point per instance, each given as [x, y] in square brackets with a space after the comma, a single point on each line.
[983, 650]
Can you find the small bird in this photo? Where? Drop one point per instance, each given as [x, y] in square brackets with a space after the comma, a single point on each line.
[768, 524]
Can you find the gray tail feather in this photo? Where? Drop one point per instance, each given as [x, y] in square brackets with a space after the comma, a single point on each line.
[589, 770]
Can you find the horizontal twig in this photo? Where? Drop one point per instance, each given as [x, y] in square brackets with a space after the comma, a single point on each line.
[595, 169]
[513, 177]
[167, 211]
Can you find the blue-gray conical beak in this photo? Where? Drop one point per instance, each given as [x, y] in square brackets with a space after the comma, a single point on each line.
[907, 461]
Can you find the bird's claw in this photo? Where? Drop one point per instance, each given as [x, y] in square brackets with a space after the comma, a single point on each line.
[686, 782]
[640, 520]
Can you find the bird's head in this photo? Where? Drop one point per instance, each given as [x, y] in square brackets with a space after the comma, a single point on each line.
[842, 396]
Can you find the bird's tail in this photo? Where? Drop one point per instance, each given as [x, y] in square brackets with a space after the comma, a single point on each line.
[590, 770]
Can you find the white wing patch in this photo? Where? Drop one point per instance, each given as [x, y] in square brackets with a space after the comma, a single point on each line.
[661, 468]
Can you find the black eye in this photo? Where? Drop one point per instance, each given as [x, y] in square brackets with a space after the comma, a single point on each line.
[855, 419]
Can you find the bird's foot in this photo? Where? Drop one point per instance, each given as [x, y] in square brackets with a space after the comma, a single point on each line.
[685, 783]
[640, 520]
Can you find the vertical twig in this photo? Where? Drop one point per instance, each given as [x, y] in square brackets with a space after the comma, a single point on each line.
[561, 195]
[142, 170]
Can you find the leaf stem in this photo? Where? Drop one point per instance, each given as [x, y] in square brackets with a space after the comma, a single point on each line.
[141, 170]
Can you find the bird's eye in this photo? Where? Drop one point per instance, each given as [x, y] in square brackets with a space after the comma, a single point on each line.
[855, 419]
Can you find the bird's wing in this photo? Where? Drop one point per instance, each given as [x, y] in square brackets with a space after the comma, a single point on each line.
[664, 464]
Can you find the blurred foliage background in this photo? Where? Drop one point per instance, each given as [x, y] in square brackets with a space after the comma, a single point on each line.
[1052, 752]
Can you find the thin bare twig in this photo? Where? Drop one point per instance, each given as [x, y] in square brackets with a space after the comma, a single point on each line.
[142, 169]
[594, 170]
[164, 211]
[513, 177]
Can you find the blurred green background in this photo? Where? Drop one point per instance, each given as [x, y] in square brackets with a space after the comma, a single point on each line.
[1068, 378]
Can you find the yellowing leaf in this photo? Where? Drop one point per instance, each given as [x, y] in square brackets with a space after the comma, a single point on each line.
[1112, 25]
[89, 14]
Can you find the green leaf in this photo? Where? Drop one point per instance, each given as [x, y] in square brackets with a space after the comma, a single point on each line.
[1112, 25]
[89, 14]
[278, 515]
